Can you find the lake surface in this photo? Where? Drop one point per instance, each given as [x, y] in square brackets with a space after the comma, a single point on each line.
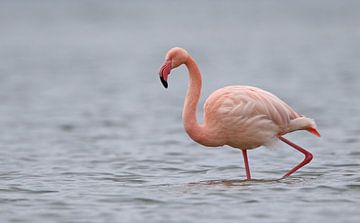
[88, 133]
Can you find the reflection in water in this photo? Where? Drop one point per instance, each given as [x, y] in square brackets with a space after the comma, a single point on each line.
[235, 182]
[252, 182]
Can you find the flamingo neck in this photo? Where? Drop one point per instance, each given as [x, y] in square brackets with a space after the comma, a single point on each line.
[196, 131]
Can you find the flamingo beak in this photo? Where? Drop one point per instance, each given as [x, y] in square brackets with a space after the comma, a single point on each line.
[164, 72]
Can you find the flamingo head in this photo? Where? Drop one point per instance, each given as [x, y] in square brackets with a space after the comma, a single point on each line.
[174, 58]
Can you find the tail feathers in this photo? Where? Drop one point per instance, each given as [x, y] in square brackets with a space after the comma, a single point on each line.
[303, 123]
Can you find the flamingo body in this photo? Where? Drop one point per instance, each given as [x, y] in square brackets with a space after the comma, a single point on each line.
[248, 117]
[242, 117]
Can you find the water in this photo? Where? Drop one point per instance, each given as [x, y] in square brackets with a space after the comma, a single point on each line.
[88, 134]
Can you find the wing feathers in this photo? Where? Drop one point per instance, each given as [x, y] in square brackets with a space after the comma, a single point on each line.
[248, 116]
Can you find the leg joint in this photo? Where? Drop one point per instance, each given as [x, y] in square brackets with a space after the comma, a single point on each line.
[308, 158]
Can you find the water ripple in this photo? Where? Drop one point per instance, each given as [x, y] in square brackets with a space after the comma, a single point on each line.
[24, 190]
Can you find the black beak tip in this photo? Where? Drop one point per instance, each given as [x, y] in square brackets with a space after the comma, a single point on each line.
[164, 82]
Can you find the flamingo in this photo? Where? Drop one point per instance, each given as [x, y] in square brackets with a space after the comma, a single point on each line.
[242, 117]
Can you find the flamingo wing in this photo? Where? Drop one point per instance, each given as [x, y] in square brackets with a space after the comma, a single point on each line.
[247, 116]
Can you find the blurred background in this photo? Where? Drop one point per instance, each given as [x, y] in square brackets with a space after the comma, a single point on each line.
[88, 133]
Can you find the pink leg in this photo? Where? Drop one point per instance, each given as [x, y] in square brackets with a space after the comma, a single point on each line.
[307, 159]
[246, 162]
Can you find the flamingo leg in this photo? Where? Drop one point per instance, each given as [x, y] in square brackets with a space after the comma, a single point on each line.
[246, 162]
[307, 159]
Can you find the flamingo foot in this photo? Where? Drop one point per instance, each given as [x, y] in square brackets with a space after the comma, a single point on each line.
[246, 162]
[307, 154]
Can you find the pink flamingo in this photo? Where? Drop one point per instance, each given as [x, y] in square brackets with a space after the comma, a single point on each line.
[242, 117]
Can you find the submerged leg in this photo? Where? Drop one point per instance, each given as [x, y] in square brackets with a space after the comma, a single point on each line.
[307, 159]
[246, 162]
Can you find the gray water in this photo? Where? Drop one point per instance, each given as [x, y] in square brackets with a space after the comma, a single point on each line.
[88, 133]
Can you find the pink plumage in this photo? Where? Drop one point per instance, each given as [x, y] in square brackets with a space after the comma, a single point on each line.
[242, 117]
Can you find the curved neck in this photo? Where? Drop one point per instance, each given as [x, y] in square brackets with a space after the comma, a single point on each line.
[192, 127]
